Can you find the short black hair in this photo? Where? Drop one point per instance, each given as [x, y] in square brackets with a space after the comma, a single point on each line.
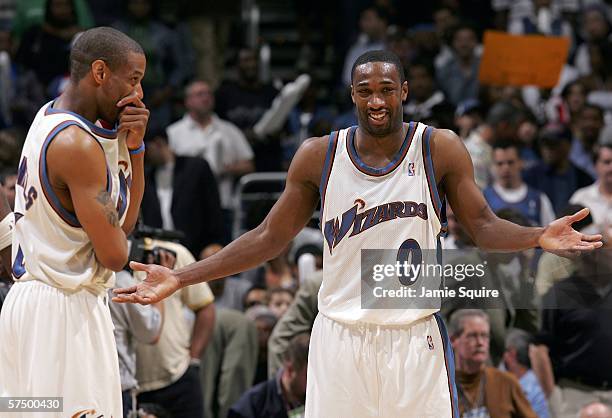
[504, 111]
[507, 144]
[297, 351]
[380, 56]
[422, 62]
[103, 43]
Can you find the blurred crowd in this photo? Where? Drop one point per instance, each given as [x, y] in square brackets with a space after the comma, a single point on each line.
[238, 347]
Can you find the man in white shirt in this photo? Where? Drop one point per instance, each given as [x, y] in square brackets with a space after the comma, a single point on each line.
[510, 191]
[598, 196]
[201, 133]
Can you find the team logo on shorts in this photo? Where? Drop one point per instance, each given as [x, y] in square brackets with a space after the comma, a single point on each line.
[430, 342]
[411, 169]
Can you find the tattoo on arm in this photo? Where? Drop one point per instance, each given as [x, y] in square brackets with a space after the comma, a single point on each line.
[112, 217]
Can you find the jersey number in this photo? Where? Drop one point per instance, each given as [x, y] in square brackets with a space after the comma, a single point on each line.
[409, 252]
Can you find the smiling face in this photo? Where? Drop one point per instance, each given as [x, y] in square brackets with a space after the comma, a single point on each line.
[115, 85]
[378, 94]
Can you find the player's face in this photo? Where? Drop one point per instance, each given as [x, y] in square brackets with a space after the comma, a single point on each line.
[123, 82]
[473, 344]
[378, 95]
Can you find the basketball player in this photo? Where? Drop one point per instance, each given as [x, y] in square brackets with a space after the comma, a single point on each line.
[372, 362]
[79, 190]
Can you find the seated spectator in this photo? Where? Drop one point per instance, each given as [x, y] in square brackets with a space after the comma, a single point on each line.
[282, 396]
[468, 117]
[256, 295]
[45, 48]
[598, 196]
[33, 13]
[134, 322]
[298, 319]
[575, 327]
[181, 193]
[477, 137]
[229, 362]
[279, 300]
[544, 20]
[8, 179]
[167, 69]
[595, 410]
[373, 24]
[595, 27]
[265, 321]
[587, 130]
[483, 390]
[509, 190]
[516, 361]
[458, 77]
[426, 102]
[556, 175]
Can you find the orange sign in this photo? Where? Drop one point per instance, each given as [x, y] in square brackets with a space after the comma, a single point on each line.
[520, 60]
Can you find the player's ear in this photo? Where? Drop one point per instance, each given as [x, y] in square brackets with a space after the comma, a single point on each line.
[404, 90]
[352, 94]
[99, 71]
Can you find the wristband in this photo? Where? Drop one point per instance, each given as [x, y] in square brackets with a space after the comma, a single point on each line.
[138, 150]
[6, 230]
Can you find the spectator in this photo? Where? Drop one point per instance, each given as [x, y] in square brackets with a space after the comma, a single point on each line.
[598, 196]
[282, 396]
[556, 175]
[133, 323]
[229, 362]
[45, 48]
[167, 70]
[595, 25]
[243, 103]
[458, 77]
[279, 300]
[256, 295]
[509, 190]
[168, 372]
[544, 20]
[426, 103]
[516, 361]
[29, 13]
[595, 410]
[483, 390]
[575, 329]
[181, 193]
[476, 136]
[573, 97]
[373, 23]
[8, 179]
[265, 321]
[151, 410]
[201, 133]
[588, 129]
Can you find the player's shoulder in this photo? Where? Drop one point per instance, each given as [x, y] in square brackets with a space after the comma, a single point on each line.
[74, 150]
[445, 137]
[74, 139]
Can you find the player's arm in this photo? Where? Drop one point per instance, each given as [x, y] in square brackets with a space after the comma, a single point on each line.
[76, 162]
[133, 123]
[288, 216]
[455, 172]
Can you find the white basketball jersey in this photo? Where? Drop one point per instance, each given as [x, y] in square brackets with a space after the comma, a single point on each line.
[49, 243]
[374, 208]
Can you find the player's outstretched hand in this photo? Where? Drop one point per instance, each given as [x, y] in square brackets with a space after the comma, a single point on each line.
[159, 284]
[559, 236]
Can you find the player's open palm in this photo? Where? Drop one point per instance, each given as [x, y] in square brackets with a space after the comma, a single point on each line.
[159, 284]
[560, 237]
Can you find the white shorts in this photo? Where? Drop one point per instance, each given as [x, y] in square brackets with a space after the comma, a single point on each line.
[53, 343]
[363, 370]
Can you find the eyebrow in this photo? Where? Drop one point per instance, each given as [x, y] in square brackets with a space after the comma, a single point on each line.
[366, 82]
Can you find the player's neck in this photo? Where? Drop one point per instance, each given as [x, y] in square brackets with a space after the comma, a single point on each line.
[379, 147]
[72, 101]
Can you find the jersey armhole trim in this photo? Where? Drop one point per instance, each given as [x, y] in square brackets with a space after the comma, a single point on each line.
[103, 132]
[438, 204]
[330, 156]
[69, 217]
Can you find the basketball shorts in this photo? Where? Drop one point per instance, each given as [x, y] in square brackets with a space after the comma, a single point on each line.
[365, 370]
[59, 344]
